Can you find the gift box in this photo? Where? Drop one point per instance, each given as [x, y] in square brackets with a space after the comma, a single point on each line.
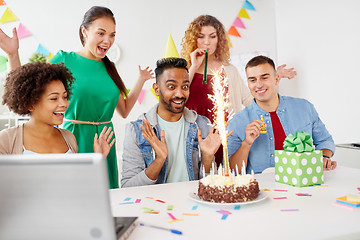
[299, 164]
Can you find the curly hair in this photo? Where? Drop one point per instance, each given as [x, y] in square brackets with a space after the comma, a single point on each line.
[25, 85]
[189, 41]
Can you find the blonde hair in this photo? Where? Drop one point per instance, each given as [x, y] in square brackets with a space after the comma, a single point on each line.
[189, 41]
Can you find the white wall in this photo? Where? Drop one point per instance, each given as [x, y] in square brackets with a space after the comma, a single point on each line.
[322, 40]
[142, 32]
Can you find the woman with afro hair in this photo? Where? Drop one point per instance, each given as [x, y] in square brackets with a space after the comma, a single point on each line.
[42, 90]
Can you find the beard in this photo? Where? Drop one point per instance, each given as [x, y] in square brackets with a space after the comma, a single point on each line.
[170, 107]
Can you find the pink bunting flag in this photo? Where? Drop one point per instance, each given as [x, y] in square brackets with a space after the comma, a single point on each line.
[238, 23]
[22, 31]
[141, 96]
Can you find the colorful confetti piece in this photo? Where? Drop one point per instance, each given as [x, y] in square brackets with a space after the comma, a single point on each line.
[280, 190]
[358, 188]
[303, 194]
[127, 199]
[226, 212]
[176, 220]
[126, 203]
[237, 207]
[289, 210]
[266, 190]
[224, 216]
[195, 207]
[172, 216]
[149, 197]
[158, 200]
[276, 198]
[170, 207]
[343, 205]
[137, 200]
[191, 214]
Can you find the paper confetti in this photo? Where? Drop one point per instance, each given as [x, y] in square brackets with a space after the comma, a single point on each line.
[137, 200]
[280, 190]
[266, 190]
[280, 198]
[149, 197]
[176, 220]
[225, 212]
[358, 188]
[224, 216]
[191, 214]
[127, 199]
[303, 194]
[158, 200]
[172, 216]
[237, 207]
[126, 203]
[343, 205]
[195, 207]
[170, 207]
[289, 210]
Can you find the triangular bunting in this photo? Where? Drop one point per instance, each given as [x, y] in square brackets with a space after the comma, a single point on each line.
[127, 92]
[238, 23]
[247, 5]
[3, 65]
[243, 14]
[153, 91]
[8, 16]
[170, 50]
[2, 2]
[141, 96]
[229, 42]
[49, 57]
[41, 49]
[22, 31]
[232, 31]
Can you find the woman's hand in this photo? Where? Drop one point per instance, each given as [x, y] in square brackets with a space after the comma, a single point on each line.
[285, 73]
[102, 143]
[197, 57]
[9, 45]
[145, 74]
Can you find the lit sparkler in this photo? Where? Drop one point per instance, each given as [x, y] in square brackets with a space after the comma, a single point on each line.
[220, 100]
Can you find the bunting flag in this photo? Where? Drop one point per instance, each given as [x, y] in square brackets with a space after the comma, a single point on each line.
[49, 57]
[243, 14]
[22, 31]
[238, 23]
[232, 31]
[229, 42]
[2, 2]
[247, 5]
[170, 49]
[141, 96]
[3, 63]
[153, 91]
[8, 16]
[127, 92]
[41, 49]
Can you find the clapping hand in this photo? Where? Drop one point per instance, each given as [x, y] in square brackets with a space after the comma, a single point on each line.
[285, 73]
[102, 143]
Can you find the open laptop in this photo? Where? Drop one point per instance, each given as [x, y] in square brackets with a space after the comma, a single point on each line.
[56, 196]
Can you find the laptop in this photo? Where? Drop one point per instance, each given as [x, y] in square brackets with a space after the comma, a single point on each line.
[57, 196]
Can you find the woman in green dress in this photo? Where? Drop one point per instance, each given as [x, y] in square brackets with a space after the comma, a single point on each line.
[98, 89]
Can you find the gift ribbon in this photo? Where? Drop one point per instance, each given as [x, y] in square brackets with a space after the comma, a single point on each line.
[301, 142]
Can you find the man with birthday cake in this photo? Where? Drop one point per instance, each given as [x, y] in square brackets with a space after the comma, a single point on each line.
[280, 116]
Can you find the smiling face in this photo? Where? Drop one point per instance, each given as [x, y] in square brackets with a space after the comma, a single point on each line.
[52, 104]
[208, 39]
[262, 82]
[99, 37]
[173, 91]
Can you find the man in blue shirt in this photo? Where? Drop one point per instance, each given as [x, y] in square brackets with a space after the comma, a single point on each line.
[279, 114]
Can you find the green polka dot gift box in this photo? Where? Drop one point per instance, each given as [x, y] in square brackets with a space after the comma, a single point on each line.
[299, 164]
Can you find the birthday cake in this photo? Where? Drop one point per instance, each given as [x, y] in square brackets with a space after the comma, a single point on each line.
[221, 189]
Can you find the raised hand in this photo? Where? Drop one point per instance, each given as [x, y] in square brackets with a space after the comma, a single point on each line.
[159, 146]
[102, 143]
[9, 45]
[285, 73]
[146, 73]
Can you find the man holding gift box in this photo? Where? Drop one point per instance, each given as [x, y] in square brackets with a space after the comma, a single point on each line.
[281, 116]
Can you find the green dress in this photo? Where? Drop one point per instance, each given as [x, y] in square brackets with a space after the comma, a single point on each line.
[94, 98]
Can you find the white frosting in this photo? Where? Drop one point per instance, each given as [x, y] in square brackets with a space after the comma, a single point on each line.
[217, 180]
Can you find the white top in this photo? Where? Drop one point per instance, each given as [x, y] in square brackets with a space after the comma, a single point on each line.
[175, 142]
[31, 152]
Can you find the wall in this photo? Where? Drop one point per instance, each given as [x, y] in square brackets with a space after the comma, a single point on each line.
[142, 31]
[321, 39]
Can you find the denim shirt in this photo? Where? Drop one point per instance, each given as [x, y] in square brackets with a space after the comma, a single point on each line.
[138, 153]
[295, 115]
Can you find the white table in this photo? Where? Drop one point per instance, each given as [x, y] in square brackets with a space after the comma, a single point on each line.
[317, 217]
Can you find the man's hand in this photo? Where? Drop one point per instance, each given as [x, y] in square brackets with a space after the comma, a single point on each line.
[285, 73]
[328, 164]
[252, 131]
[159, 147]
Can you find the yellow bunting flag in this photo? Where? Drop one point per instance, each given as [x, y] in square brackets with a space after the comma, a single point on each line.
[232, 31]
[8, 16]
[228, 40]
[49, 57]
[153, 91]
[243, 14]
[170, 50]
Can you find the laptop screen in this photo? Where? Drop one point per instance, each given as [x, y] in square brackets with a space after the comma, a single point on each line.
[54, 196]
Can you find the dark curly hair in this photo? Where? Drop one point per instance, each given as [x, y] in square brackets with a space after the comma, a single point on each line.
[171, 62]
[25, 85]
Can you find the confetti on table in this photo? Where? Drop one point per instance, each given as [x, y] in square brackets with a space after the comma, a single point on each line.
[265, 189]
[343, 205]
[237, 207]
[137, 200]
[225, 212]
[276, 198]
[191, 214]
[289, 210]
[149, 210]
[170, 207]
[126, 203]
[127, 199]
[358, 188]
[154, 212]
[303, 194]
[158, 200]
[280, 190]
[194, 207]
[149, 197]
[318, 185]
[172, 216]
[224, 216]
[176, 220]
